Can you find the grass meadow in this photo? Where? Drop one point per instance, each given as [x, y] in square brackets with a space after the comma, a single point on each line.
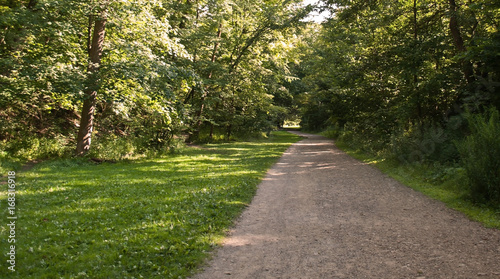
[146, 218]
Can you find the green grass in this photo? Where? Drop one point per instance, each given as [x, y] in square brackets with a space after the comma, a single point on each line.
[446, 184]
[147, 218]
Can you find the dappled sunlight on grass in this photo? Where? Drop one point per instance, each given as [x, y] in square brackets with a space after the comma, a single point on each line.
[154, 218]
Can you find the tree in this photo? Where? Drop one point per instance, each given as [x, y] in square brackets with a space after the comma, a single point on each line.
[459, 41]
[229, 40]
[42, 66]
[142, 72]
[95, 52]
[392, 70]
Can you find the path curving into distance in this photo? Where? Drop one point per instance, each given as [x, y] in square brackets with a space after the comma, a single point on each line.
[322, 214]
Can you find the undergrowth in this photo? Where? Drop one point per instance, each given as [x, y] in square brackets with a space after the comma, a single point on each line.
[480, 153]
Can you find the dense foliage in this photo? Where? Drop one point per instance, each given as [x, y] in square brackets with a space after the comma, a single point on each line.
[145, 72]
[480, 153]
[396, 77]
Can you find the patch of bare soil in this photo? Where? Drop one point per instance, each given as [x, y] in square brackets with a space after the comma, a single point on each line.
[322, 214]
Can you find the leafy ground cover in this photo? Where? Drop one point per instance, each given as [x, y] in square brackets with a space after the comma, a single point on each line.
[147, 218]
[446, 184]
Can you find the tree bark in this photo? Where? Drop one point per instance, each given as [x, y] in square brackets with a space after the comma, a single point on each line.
[90, 94]
[458, 41]
[31, 4]
[415, 76]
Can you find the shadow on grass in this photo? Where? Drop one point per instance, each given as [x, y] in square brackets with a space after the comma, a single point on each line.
[154, 218]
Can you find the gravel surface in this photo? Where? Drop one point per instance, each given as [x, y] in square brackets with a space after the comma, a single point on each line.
[322, 214]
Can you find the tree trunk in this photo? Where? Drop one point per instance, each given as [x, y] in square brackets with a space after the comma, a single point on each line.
[416, 65]
[459, 42]
[211, 136]
[229, 131]
[199, 114]
[88, 109]
[31, 4]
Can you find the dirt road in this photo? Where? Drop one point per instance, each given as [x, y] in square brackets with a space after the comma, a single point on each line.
[321, 214]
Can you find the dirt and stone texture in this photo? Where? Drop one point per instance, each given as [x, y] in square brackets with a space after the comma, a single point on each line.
[322, 214]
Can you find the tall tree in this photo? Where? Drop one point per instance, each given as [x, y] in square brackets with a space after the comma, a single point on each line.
[90, 93]
[390, 72]
[459, 41]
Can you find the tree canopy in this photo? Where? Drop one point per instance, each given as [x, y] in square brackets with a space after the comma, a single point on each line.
[147, 71]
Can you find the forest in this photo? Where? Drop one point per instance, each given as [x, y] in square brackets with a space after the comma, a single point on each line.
[133, 133]
[417, 82]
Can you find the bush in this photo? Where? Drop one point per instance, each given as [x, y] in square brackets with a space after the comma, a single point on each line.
[112, 147]
[429, 143]
[364, 136]
[31, 148]
[8, 163]
[480, 155]
[15, 153]
[332, 132]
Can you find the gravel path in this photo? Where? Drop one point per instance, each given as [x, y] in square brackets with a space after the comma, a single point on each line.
[322, 214]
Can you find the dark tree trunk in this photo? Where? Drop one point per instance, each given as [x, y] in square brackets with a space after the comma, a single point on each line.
[415, 76]
[88, 109]
[31, 4]
[229, 131]
[459, 42]
[211, 136]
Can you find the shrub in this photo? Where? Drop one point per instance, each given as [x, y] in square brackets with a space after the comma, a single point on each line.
[429, 143]
[31, 148]
[480, 155]
[364, 136]
[332, 132]
[112, 147]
